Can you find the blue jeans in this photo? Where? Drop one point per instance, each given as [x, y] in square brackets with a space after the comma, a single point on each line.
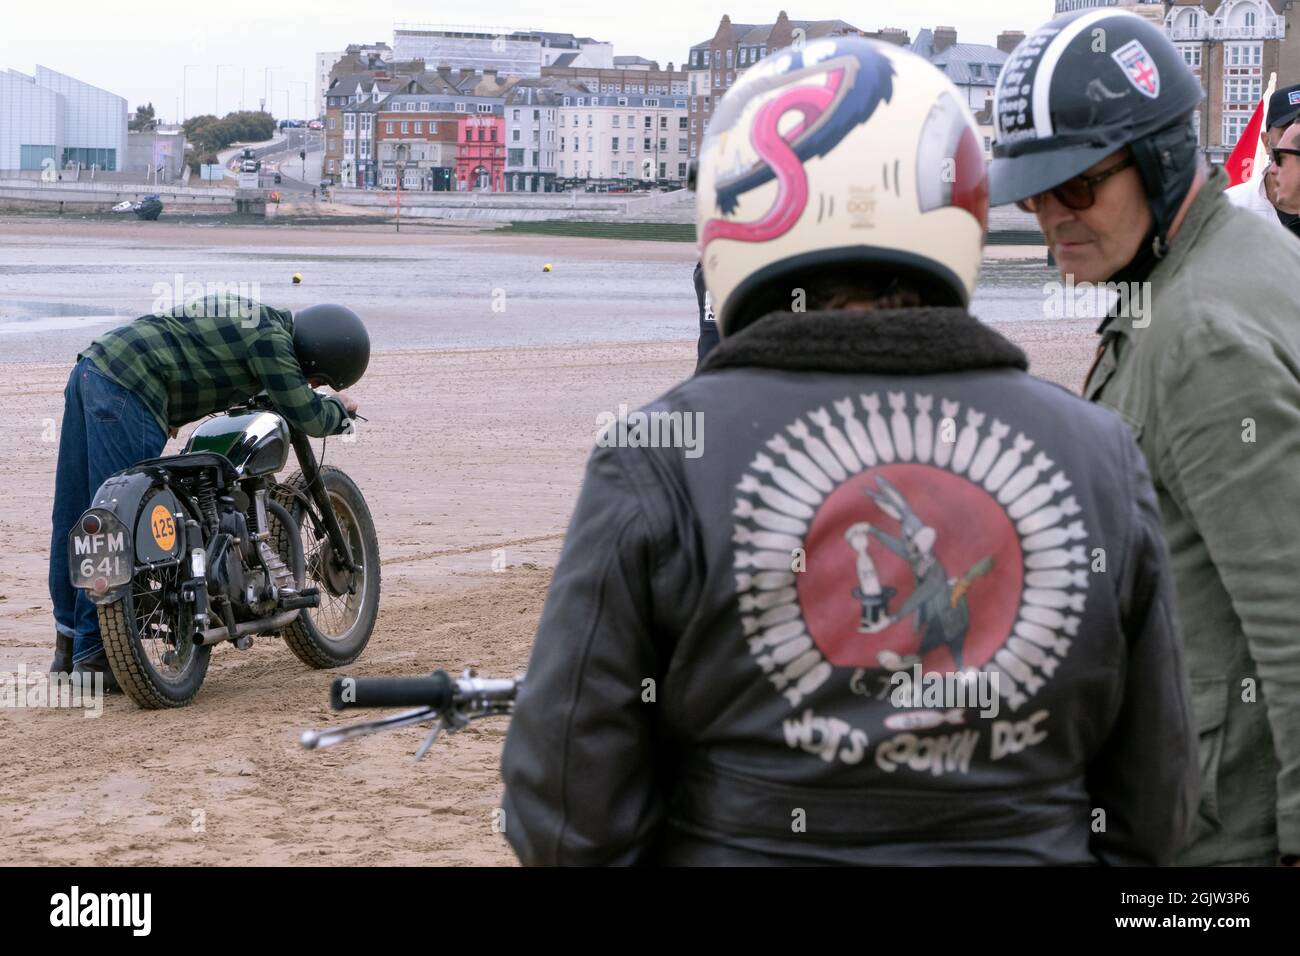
[106, 428]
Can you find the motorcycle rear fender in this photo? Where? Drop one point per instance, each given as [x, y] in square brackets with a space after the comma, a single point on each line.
[147, 513]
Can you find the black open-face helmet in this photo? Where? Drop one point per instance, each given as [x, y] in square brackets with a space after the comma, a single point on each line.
[1083, 86]
[332, 344]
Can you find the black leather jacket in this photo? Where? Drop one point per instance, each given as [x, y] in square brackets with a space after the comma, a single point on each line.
[709, 337]
[714, 674]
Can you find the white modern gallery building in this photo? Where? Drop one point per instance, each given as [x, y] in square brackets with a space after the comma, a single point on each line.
[52, 116]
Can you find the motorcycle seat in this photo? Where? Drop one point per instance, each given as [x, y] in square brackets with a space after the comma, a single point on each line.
[189, 462]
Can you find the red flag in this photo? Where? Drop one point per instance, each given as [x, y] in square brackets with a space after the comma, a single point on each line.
[1240, 164]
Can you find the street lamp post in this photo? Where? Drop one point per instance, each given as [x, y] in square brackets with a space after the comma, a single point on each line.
[305, 88]
[268, 75]
[400, 167]
[216, 92]
[185, 103]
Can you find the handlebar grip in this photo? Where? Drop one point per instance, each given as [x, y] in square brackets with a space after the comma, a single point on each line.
[435, 691]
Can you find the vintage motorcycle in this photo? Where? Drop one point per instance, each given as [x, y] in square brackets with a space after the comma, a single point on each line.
[449, 703]
[184, 552]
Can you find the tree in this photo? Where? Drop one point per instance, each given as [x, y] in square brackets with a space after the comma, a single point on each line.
[207, 135]
[144, 118]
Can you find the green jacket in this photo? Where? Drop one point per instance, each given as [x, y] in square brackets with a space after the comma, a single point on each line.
[210, 354]
[1209, 380]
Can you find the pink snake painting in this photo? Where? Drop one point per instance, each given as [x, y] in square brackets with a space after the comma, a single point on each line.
[829, 104]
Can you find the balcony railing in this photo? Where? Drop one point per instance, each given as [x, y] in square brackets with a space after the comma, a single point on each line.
[1272, 28]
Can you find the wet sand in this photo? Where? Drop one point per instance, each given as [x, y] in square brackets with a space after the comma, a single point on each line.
[428, 287]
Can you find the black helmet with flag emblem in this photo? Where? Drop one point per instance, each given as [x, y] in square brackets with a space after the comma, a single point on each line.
[1083, 86]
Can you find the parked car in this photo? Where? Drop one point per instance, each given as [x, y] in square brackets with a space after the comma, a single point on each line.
[315, 124]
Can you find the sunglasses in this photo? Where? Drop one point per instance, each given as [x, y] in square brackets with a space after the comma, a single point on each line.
[1077, 193]
[1278, 152]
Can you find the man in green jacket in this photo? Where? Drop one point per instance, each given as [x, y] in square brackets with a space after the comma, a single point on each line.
[1201, 355]
[135, 385]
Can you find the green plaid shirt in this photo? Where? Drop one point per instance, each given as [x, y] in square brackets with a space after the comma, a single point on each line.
[209, 355]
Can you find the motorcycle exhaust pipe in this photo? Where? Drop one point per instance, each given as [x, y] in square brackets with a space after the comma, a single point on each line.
[215, 635]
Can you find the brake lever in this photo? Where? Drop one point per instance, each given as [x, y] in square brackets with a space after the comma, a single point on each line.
[456, 717]
[450, 720]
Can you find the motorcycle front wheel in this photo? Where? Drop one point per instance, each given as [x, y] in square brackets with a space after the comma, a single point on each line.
[337, 631]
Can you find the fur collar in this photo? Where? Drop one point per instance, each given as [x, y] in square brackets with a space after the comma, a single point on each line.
[921, 341]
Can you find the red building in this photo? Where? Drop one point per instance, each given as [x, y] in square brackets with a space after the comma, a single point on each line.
[422, 145]
[481, 153]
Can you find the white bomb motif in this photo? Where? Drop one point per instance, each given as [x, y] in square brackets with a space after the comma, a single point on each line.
[777, 500]
[857, 433]
[783, 495]
[966, 441]
[1007, 687]
[837, 442]
[766, 518]
[818, 450]
[777, 634]
[1038, 496]
[773, 540]
[1055, 537]
[877, 428]
[923, 428]
[900, 427]
[947, 437]
[766, 581]
[764, 560]
[1043, 637]
[1008, 463]
[788, 480]
[802, 464]
[1047, 517]
[1022, 480]
[989, 449]
[1049, 617]
[765, 600]
[1057, 579]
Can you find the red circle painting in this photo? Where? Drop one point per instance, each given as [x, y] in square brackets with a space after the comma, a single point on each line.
[907, 562]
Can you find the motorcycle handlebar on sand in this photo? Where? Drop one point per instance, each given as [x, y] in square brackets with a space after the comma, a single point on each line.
[436, 691]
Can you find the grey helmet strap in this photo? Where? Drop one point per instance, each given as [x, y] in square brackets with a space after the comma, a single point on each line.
[1166, 161]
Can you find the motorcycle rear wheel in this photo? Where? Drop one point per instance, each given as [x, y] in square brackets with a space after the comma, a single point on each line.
[154, 665]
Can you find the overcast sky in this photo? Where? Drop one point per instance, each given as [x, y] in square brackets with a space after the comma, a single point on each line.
[139, 49]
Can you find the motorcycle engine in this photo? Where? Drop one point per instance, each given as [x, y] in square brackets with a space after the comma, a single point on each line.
[240, 576]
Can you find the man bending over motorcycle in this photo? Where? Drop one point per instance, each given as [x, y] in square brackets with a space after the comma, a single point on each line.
[134, 386]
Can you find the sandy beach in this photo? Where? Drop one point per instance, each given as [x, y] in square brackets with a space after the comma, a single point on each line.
[469, 455]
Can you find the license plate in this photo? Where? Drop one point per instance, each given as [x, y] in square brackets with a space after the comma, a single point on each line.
[102, 559]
